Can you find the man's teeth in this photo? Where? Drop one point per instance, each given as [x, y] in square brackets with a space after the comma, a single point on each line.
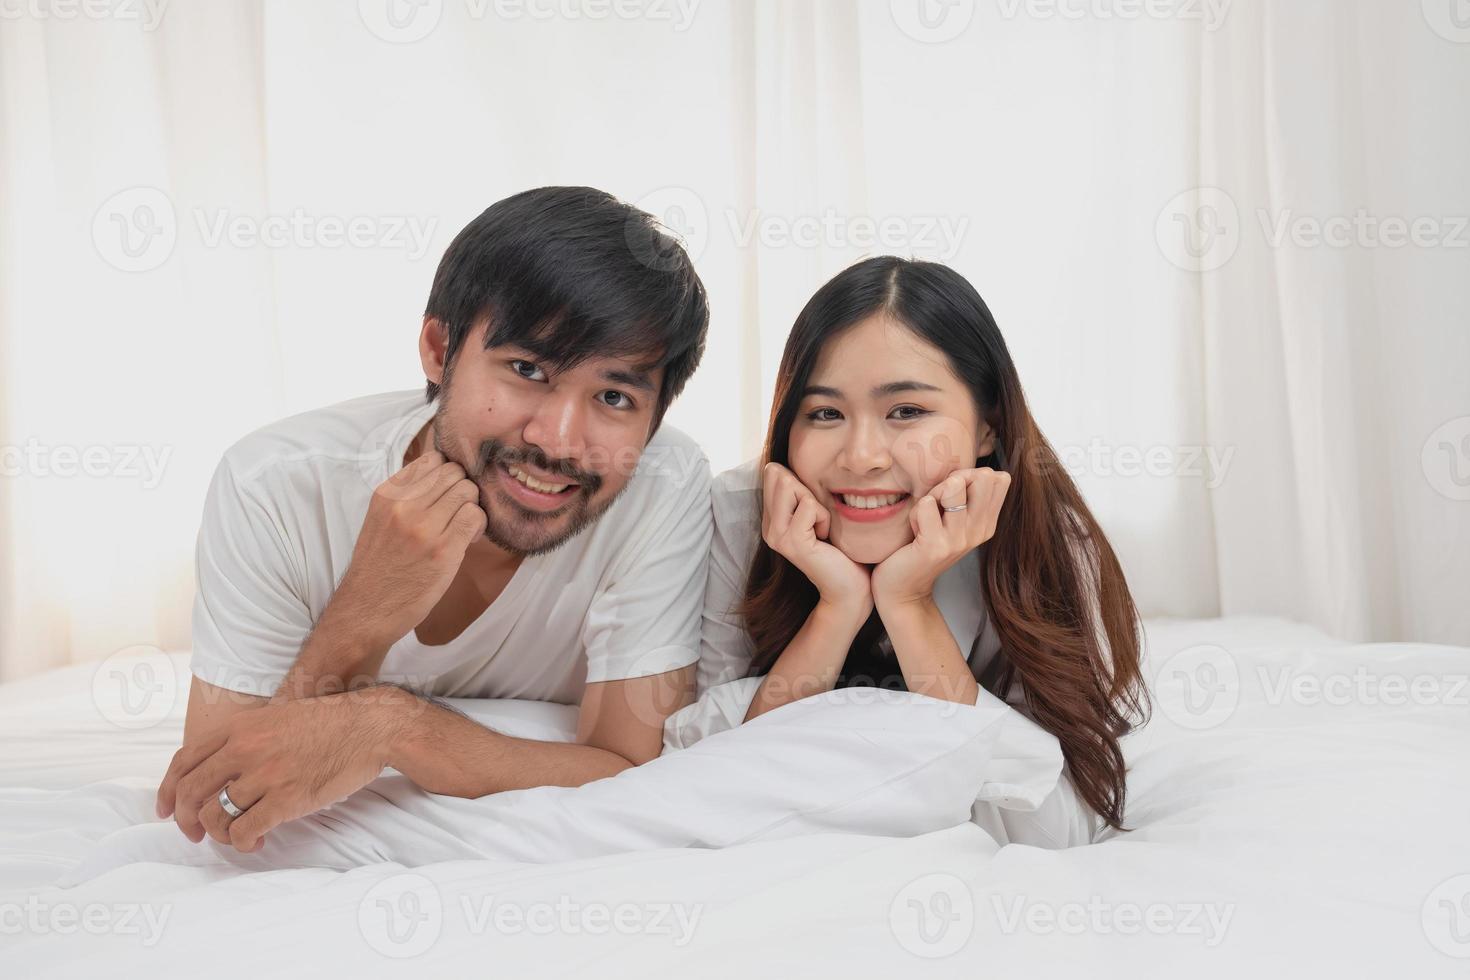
[535, 484]
[872, 503]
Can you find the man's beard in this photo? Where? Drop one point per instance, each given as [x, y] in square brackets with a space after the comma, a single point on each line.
[528, 533]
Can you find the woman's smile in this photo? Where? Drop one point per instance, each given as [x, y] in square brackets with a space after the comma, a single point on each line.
[869, 506]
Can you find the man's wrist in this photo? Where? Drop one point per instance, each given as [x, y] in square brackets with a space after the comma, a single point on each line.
[360, 628]
[390, 715]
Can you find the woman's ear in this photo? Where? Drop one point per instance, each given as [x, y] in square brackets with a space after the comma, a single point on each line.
[986, 443]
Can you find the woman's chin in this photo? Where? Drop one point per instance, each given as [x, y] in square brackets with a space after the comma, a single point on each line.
[865, 551]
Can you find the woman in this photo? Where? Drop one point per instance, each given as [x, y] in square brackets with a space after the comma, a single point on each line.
[909, 527]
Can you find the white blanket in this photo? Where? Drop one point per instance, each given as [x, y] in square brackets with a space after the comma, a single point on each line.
[1297, 807]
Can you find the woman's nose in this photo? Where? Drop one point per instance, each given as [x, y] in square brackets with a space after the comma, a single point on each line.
[868, 450]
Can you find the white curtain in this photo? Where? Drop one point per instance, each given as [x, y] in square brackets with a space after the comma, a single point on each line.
[214, 215]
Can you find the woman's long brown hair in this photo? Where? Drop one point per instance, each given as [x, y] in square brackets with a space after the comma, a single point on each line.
[1069, 631]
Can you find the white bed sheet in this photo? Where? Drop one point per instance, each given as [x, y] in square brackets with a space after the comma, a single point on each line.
[1283, 827]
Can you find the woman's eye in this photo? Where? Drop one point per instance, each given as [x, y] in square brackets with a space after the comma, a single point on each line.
[527, 370]
[906, 412]
[616, 399]
[823, 415]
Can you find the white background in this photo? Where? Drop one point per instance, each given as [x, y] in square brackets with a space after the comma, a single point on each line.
[1061, 155]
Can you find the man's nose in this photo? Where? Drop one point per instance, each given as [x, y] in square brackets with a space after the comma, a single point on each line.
[558, 427]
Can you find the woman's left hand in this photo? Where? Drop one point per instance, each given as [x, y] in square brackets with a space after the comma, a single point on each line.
[942, 534]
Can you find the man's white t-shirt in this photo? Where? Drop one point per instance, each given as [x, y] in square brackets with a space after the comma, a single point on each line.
[621, 599]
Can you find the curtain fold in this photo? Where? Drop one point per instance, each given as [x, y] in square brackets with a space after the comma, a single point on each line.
[1264, 421]
[1329, 385]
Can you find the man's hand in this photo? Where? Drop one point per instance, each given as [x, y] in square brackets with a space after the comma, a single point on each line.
[419, 524]
[281, 761]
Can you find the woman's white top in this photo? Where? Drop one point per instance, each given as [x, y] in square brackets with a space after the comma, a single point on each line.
[1042, 807]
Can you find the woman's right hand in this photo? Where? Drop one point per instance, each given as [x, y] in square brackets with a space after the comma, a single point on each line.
[795, 526]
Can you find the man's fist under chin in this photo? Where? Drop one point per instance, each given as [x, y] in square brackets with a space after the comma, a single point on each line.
[419, 524]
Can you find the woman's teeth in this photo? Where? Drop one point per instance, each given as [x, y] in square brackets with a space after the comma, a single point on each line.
[538, 485]
[871, 503]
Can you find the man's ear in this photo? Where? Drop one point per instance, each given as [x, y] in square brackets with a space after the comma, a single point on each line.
[433, 348]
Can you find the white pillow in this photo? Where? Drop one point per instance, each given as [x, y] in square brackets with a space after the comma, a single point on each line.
[1025, 760]
[860, 760]
[854, 761]
[539, 720]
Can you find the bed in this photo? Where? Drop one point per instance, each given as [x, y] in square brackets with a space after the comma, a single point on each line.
[1299, 806]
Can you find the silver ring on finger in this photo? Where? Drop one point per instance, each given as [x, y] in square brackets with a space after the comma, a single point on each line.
[228, 804]
[955, 510]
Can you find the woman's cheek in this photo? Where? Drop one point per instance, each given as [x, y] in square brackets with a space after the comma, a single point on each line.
[803, 459]
[933, 448]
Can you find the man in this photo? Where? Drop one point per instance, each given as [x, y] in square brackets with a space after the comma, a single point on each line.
[530, 532]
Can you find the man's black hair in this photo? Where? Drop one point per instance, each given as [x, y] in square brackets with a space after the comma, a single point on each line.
[569, 273]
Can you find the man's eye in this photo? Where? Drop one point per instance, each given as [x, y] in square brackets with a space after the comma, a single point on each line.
[528, 370]
[616, 399]
[908, 412]
[823, 415]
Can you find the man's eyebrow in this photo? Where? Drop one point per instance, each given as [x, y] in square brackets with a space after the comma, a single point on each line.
[633, 379]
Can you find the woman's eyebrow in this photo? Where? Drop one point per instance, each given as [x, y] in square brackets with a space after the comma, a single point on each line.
[881, 391]
[898, 387]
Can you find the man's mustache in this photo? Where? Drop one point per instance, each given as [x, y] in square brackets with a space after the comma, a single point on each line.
[493, 451]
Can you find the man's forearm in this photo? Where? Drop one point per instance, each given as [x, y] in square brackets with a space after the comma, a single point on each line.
[340, 652]
[444, 752]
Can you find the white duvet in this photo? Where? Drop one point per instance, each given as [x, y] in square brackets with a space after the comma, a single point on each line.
[1298, 807]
